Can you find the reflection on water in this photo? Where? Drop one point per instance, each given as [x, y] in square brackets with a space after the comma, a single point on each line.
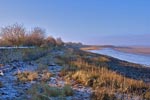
[139, 59]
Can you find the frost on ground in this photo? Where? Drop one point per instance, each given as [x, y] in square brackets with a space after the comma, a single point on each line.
[80, 92]
[12, 90]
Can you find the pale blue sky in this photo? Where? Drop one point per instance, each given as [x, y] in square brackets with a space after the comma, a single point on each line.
[118, 22]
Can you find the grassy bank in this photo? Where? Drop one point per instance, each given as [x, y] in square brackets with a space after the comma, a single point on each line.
[98, 72]
[22, 54]
[110, 78]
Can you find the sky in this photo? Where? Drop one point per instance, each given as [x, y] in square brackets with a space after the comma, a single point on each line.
[100, 22]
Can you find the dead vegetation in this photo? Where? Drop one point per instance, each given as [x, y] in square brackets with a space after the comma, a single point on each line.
[94, 71]
[27, 76]
[40, 74]
[17, 35]
[88, 69]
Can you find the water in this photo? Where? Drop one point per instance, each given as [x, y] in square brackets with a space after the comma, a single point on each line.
[135, 58]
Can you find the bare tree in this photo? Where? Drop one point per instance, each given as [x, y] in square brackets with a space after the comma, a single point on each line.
[50, 41]
[16, 35]
[59, 42]
[1, 42]
[37, 36]
[13, 34]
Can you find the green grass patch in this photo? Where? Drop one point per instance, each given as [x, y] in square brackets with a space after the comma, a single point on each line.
[44, 92]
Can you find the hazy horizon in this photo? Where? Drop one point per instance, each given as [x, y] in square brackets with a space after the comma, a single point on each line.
[98, 22]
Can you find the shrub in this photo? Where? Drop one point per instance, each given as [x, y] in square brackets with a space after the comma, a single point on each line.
[59, 42]
[13, 35]
[44, 92]
[16, 35]
[49, 41]
[36, 37]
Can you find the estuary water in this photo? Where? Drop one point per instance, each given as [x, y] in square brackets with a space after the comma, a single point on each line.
[134, 58]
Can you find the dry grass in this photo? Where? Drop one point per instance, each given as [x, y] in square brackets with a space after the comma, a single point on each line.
[103, 94]
[147, 95]
[45, 75]
[103, 59]
[42, 76]
[89, 70]
[27, 76]
[103, 78]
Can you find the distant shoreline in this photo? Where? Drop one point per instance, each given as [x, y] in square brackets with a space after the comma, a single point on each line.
[139, 51]
[134, 50]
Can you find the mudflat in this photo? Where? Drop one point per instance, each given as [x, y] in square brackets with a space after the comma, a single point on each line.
[135, 50]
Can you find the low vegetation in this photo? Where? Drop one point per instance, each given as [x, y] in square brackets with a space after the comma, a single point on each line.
[33, 76]
[88, 69]
[23, 54]
[1, 84]
[27, 76]
[34, 53]
[84, 68]
[16, 35]
[147, 95]
[108, 81]
[94, 71]
[45, 92]
[41, 74]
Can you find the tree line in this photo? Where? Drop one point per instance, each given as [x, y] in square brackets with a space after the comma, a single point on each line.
[17, 35]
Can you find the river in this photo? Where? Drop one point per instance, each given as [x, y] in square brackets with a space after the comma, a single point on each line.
[134, 58]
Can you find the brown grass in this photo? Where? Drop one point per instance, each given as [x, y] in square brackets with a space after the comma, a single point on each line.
[103, 78]
[27, 76]
[103, 94]
[147, 95]
[89, 70]
[45, 75]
